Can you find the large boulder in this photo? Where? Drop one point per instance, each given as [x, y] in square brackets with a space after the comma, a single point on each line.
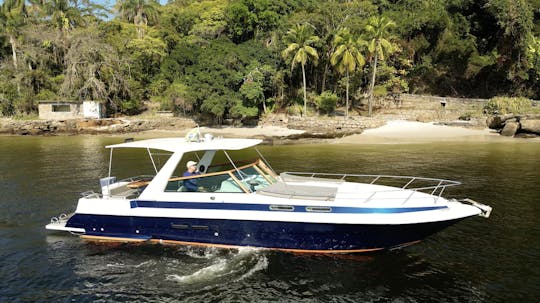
[530, 126]
[510, 128]
[497, 122]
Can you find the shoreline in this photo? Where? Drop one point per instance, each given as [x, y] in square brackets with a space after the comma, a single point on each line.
[395, 131]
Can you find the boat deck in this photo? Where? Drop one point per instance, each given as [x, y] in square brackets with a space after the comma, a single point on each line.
[293, 191]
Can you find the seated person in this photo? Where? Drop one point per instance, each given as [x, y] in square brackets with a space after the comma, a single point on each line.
[191, 184]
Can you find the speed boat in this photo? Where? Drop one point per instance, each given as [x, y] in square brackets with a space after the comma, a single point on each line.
[247, 204]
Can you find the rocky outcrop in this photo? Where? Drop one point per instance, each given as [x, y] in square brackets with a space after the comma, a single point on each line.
[337, 125]
[90, 126]
[515, 125]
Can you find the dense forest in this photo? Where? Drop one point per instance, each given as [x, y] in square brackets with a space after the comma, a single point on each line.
[241, 58]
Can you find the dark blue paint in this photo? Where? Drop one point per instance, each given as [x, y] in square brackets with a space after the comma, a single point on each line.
[284, 235]
[266, 207]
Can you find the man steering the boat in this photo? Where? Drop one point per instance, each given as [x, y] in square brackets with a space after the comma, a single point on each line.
[191, 184]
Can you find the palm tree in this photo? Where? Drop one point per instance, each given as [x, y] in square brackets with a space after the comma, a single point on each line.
[378, 29]
[347, 57]
[300, 41]
[12, 17]
[64, 15]
[140, 12]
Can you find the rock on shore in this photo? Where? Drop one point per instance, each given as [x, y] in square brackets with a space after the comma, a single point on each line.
[511, 125]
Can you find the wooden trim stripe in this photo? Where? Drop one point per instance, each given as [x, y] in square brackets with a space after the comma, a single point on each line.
[225, 246]
[111, 239]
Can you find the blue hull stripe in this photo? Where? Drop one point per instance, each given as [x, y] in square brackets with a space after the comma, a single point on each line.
[266, 207]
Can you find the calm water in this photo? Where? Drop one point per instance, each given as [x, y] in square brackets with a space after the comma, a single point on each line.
[478, 260]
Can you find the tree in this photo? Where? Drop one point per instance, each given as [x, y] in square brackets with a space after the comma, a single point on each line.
[378, 30]
[63, 15]
[140, 12]
[94, 72]
[347, 57]
[247, 18]
[12, 17]
[300, 40]
[252, 89]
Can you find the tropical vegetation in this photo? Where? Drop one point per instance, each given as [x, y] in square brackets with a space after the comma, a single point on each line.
[240, 59]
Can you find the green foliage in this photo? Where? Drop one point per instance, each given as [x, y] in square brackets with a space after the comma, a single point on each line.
[295, 110]
[238, 110]
[326, 102]
[139, 12]
[301, 46]
[506, 105]
[247, 18]
[179, 98]
[215, 105]
[211, 23]
[130, 107]
[379, 91]
[46, 95]
[237, 58]
[253, 92]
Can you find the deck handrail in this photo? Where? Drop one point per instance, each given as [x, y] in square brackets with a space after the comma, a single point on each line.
[436, 189]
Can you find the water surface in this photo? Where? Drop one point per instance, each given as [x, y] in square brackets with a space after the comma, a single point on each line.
[478, 260]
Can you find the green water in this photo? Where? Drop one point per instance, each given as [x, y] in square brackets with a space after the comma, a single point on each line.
[477, 260]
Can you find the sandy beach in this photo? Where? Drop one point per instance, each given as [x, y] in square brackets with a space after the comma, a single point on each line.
[400, 131]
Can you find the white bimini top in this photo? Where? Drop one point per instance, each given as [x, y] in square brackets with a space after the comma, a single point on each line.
[182, 145]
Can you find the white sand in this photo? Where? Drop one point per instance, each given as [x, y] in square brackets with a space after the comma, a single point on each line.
[400, 131]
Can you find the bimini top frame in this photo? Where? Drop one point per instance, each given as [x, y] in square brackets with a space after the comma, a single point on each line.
[182, 145]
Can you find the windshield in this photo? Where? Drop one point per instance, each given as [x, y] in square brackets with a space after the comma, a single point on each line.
[247, 178]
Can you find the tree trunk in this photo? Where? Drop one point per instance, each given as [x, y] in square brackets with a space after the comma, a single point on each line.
[323, 84]
[305, 94]
[372, 85]
[139, 21]
[347, 97]
[13, 42]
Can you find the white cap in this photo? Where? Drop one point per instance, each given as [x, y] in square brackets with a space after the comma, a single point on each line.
[191, 163]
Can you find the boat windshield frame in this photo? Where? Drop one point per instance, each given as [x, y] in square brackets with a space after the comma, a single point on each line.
[236, 178]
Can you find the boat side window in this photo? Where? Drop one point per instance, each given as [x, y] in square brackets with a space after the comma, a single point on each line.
[213, 182]
[203, 183]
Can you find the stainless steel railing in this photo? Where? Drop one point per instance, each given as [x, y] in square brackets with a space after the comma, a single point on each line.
[432, 186]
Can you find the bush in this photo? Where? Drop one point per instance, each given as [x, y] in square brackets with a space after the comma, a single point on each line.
[6, 107]
[506, 105]
[130, 107]
[326, 102]
[46, 95]
[295, 110]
